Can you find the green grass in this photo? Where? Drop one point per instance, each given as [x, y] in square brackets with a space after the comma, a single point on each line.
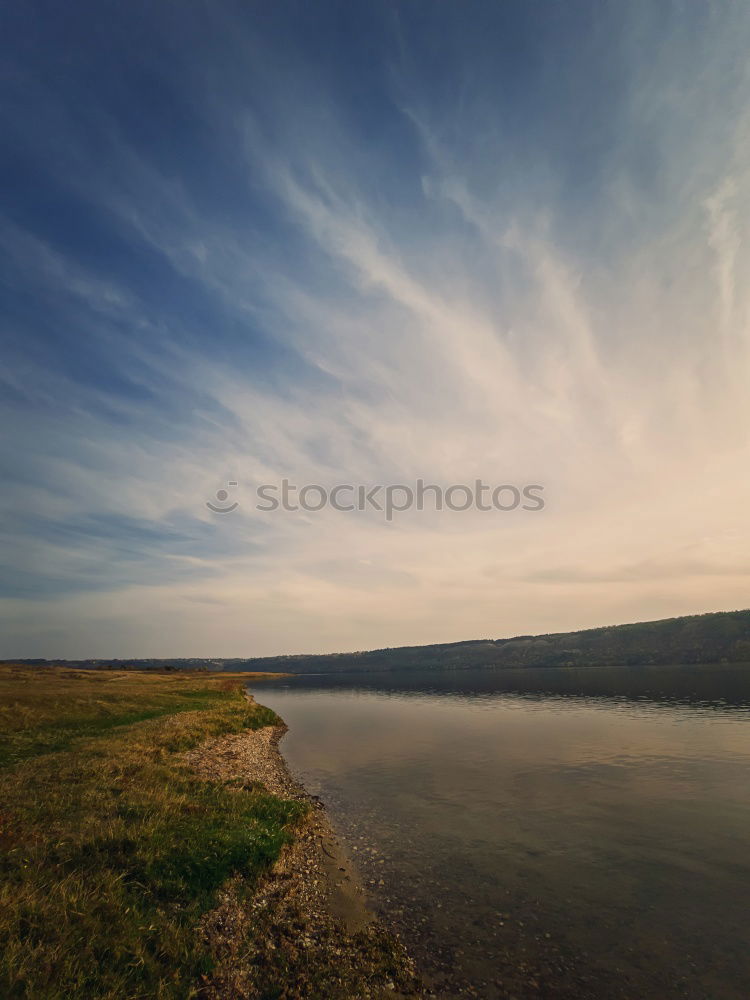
[111, 847]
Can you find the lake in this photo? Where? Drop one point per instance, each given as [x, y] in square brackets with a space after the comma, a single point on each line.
[568, 833]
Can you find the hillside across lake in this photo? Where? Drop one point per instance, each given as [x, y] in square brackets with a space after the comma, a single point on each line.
[706, 638]
[709, 638]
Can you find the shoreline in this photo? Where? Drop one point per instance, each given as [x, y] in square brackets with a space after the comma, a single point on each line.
[156, 844]
[306, 927]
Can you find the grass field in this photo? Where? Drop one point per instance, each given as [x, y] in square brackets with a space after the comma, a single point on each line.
[110, 848]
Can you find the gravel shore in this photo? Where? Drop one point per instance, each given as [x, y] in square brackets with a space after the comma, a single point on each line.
[306, 930]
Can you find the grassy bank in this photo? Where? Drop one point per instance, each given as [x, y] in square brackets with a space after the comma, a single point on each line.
[111, 848]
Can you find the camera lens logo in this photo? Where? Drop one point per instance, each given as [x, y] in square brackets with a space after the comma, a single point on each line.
[222, 496]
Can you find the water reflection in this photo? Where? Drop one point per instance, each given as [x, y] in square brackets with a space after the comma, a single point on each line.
[713, 685]
[574, 832]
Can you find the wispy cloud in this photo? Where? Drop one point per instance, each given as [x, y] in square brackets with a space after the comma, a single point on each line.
[421, 256]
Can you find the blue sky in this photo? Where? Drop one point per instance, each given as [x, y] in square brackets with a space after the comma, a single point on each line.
[367, 243]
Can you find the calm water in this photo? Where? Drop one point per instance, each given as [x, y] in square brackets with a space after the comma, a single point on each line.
[547, 832]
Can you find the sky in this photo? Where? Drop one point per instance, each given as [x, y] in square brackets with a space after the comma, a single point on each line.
[369, 243]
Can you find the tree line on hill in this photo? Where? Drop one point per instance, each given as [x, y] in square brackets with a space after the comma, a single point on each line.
[710, 638]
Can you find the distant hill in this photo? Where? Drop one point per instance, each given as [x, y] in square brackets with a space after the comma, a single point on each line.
[706, 638]
[710, 638]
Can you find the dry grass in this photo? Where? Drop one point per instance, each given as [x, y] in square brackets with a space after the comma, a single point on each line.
[112, 849]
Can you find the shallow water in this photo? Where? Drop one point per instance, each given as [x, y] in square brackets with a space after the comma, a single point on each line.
[545, 832]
